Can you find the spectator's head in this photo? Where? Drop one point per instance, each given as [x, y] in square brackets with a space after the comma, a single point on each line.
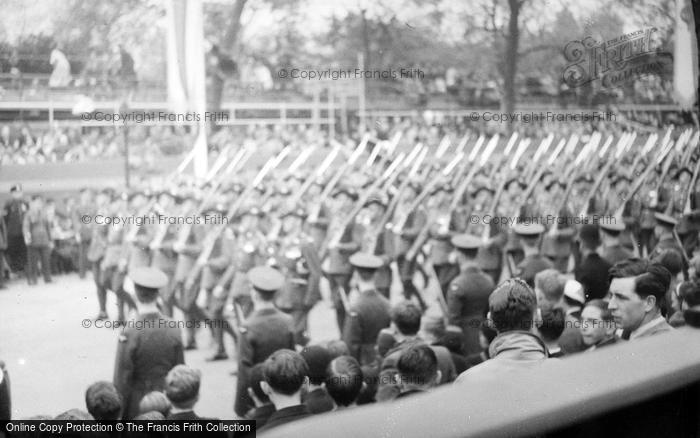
[453, 341]
[182, 386]
[74, 415]
[37, 202]
[418, 368]
[549, 286]
[344, 380]
[637, 291]
[688, 295]
[553, 320]
[155, 401]
[589, 237]
[337, 348]
[597, 322]
[286, 374]
[670, 259]
[406, 316]
[432, 328]
[513, 306]
[255, 390]
[150, 416]
[103, 401]
[317, 358]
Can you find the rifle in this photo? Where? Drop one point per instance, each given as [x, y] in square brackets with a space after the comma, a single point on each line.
[210, 239]
[425, 231]
[328, 190]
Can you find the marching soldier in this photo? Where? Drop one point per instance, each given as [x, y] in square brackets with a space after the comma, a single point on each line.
[163, 256]
[265, 331]
[187, 247]
[113, 265]
[337, 266]
[665, 237]
[533, 262]
[557, 244]
[83, 232]
[490, 253]
[369, 314]
[246, 252]
[404, 238]
[613, 251]
[96, 253]
[298, 260]
[219, 260]
[145, 355]
[468, 294]
[377, 240]
[440, 234]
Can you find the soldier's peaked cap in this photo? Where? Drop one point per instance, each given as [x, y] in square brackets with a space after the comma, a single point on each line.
[527, 229]
[365, 261]
[266, 279]
[149, 277]
[665, 220]
[466, 241]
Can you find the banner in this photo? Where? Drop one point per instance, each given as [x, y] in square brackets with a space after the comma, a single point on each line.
[186, 75]
[685, 69]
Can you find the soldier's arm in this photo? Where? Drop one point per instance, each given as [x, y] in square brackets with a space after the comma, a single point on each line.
[313, 291]
[124, 366]
[352, 334]
[454, 304]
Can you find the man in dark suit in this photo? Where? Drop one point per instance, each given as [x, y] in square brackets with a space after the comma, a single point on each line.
[148, 348]
[15, 209]
[592, 270]
[266, 330]
[286, 376]
[468, 294]
[369, 314]
[3, 248]
[316, 398]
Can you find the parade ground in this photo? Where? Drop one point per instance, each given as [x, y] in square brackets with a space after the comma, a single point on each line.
[53, 350]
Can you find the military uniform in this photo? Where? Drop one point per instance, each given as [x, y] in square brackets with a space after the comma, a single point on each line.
[614, 253]
[186, 294]
[404, 238]
[337, 265]
[163, 257]
[377, 239]
[368, 315]
[531, 263]
[441, 248]
[468, 296]
[113, 268]
[147, 350]
[265, 331]
[301, 267]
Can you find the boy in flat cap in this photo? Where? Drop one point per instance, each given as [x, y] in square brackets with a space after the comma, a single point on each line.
[150, 347]
[265, 331]
[369, 314]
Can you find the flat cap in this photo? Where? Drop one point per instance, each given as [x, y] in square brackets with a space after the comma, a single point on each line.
[377, 199]
[665, 220]
[266, 279]
[149, 277]
[466, 241]
[365, 261]
[574, 290]
[528, 229]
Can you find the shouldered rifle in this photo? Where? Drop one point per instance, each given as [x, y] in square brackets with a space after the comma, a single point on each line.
[328, 190]
[210, 239]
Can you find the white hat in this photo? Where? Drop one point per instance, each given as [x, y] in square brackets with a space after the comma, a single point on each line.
[574, 290]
